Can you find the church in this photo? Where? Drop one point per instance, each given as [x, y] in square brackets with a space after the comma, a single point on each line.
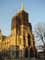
[21, 40]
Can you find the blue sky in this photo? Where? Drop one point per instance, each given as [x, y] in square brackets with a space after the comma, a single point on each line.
[8, 8]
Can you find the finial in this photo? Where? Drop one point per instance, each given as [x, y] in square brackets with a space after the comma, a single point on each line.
[22, 7]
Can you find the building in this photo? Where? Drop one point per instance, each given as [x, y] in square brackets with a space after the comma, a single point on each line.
[21, 40]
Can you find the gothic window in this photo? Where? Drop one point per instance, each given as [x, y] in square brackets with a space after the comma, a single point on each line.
[24, 40]
[17, 52]
[26, 53]
[20, 41]
[31, 52]
[29, 42]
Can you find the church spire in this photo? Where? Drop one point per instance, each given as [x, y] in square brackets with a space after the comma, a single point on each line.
[22, 7]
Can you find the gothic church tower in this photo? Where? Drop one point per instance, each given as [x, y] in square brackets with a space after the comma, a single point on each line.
[21, 30]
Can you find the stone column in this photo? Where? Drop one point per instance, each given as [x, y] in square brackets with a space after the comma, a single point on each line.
[22, 42]
[22, 47]
[18, 39]
[14, 36]
[26, 38]
[31, 40]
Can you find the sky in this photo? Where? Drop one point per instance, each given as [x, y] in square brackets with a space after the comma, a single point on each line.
[8, 8]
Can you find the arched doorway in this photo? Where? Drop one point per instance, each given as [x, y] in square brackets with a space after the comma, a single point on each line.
[31, 52]
[26, 53]
[17, 51]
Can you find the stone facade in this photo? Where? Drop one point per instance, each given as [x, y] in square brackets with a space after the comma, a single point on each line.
[21, 39]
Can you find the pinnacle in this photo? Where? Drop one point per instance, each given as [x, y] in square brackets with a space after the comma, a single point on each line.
[22, 7]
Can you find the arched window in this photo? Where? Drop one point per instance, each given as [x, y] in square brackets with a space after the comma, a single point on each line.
[24, 41]
[17, 51]
[29, 38]
[31, 52]
[26, 52]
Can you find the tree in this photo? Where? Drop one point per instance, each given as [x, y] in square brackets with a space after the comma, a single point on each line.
[40, 32]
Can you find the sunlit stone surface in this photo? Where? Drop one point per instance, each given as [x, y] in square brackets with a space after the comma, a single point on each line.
[21, 40]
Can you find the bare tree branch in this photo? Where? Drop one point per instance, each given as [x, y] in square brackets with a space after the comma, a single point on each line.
[40, 32]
